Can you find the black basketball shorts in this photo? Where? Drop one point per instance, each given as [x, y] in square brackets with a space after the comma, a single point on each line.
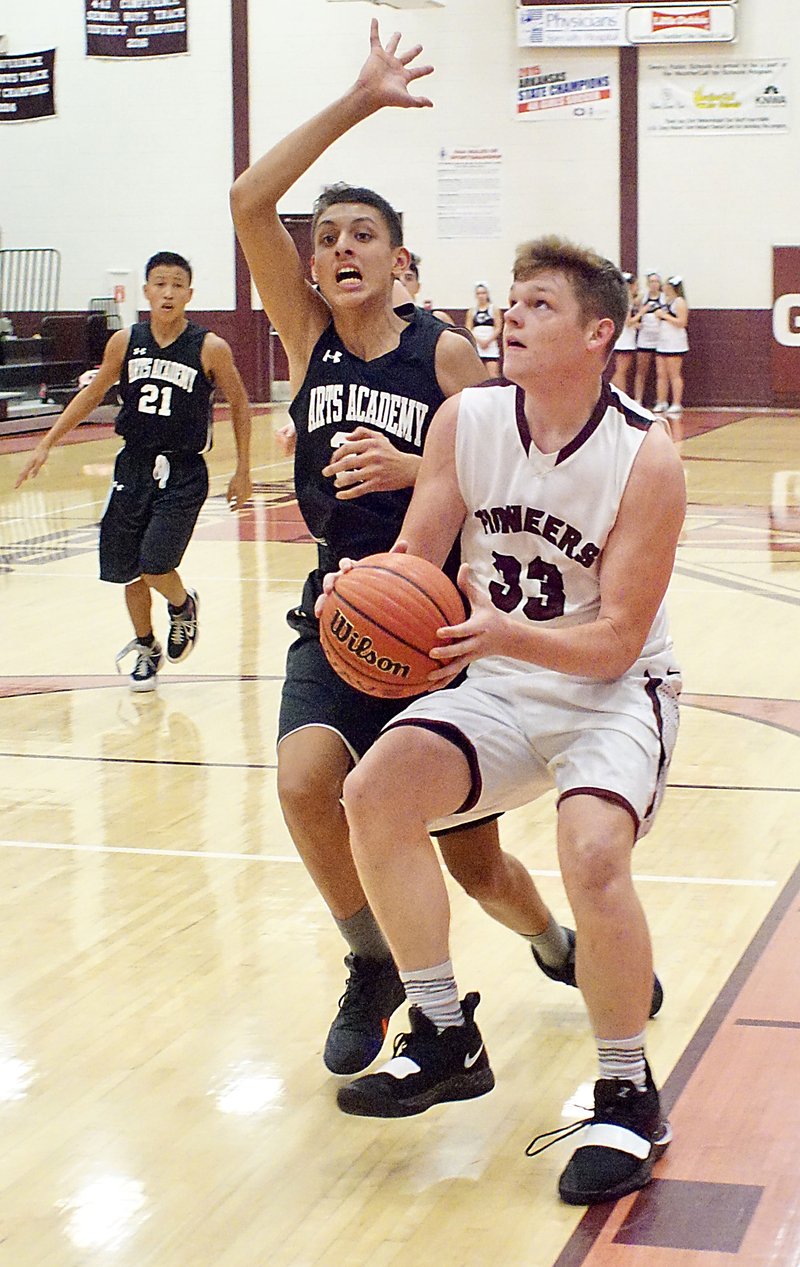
[148, 520]
[314, 694]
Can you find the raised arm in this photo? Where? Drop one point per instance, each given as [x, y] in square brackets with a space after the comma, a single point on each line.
[79, 408]
[296, 310]
[220, 367]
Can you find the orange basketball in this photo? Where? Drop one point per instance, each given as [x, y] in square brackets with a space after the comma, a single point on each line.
[379, 624]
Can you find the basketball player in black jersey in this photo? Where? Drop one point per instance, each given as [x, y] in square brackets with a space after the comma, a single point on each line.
[365, 384]
[167, 369]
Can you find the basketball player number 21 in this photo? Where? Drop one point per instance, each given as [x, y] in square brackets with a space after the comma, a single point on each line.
[148, 400]
[508, 596]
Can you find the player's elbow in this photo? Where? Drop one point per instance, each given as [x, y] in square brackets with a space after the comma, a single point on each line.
[244, 202]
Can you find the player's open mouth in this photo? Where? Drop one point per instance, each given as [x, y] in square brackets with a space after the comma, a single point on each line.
[347, 276]
[514, 343]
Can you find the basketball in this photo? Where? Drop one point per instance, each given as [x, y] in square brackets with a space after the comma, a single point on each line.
[379, 623]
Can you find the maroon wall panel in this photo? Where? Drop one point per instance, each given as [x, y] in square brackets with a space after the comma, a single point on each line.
[785, 360]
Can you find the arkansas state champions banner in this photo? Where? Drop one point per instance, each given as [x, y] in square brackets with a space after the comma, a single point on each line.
[27, 86]
[144, 28]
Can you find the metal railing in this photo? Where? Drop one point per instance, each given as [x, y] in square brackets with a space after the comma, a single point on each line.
[29, 279]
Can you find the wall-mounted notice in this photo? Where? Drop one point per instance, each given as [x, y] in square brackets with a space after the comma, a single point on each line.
[27, 86]
[136, 28]
[468, 202]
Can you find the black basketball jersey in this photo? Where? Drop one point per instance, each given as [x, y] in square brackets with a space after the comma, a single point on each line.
[396, 395]
[483, 316]
[166, 397]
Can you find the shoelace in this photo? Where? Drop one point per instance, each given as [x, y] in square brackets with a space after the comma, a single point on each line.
[150, 654]
[181, 628]
[561, 1132]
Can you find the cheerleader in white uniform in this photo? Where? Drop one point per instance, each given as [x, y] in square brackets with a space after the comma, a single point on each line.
[625, 346]
[647, 336]
[672, 346]
[485, 325]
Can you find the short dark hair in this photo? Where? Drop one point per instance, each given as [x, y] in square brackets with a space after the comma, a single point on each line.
[332, 195]
[170, 259]
[413, 264]
[599, 286]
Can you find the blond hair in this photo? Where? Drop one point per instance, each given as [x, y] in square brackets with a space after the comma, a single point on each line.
[597, 283]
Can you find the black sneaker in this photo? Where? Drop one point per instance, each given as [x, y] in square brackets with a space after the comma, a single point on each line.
[182, 627]
[148, 662]
[373, 992]
[427, 1067]
[566, 973]
[624, 1139]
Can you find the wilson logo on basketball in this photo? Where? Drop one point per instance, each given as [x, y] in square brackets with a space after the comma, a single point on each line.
[700, 20]
[361, 647]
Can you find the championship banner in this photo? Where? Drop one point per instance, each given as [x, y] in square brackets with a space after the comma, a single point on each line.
[136, 28]
[698, 98]
[28, 86]
[554, 94]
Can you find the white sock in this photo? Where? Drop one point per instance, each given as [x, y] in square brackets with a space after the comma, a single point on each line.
[623, 1058]
[435, 993]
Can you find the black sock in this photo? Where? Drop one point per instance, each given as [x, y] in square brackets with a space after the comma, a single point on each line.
[146, 640]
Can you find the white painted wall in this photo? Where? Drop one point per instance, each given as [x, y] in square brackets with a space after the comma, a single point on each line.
[712, 208]
[138, 158]
[557, 175]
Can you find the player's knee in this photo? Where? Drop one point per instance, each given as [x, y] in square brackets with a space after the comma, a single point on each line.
[307, 791]
[366, 794]
[594, 864]
[481, 879]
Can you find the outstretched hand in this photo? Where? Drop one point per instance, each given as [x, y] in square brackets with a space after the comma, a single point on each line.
[481, 634]
[386, 74]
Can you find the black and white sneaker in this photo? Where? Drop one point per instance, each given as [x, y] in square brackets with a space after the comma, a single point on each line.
[373, 992]
[566, 973]
[427, 1068]
[622, 1142]
[182, 627]
[148, 661]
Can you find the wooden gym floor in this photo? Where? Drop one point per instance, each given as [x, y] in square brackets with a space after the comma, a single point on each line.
[169, 972]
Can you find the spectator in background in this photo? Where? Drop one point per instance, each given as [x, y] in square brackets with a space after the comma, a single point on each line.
[647, 337]
[485, 324]
[410, 280]
[672, 346]
[625, 346]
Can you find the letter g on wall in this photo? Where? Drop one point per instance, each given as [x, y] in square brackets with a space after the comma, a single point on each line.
[786, 320]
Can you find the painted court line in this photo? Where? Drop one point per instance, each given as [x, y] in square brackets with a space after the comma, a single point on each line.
[138, 850]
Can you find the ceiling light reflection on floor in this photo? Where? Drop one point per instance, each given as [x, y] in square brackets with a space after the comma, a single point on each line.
[105, 1212]
[246, 1089]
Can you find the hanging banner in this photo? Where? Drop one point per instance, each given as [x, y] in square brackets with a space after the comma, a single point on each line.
[556, 94]
[28, 86]
[684, 98]
[136, 28]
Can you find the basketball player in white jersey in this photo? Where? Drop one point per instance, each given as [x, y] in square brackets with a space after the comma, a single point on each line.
[570, 500]
[344, 340]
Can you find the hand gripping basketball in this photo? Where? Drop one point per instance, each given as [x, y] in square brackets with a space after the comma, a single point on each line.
[378, 624]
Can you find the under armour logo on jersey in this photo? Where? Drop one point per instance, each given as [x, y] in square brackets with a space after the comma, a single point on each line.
[332, 356]
[139, 351]
[117, 487]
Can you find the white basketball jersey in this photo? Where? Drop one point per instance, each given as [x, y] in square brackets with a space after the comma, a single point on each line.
[537, 523]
